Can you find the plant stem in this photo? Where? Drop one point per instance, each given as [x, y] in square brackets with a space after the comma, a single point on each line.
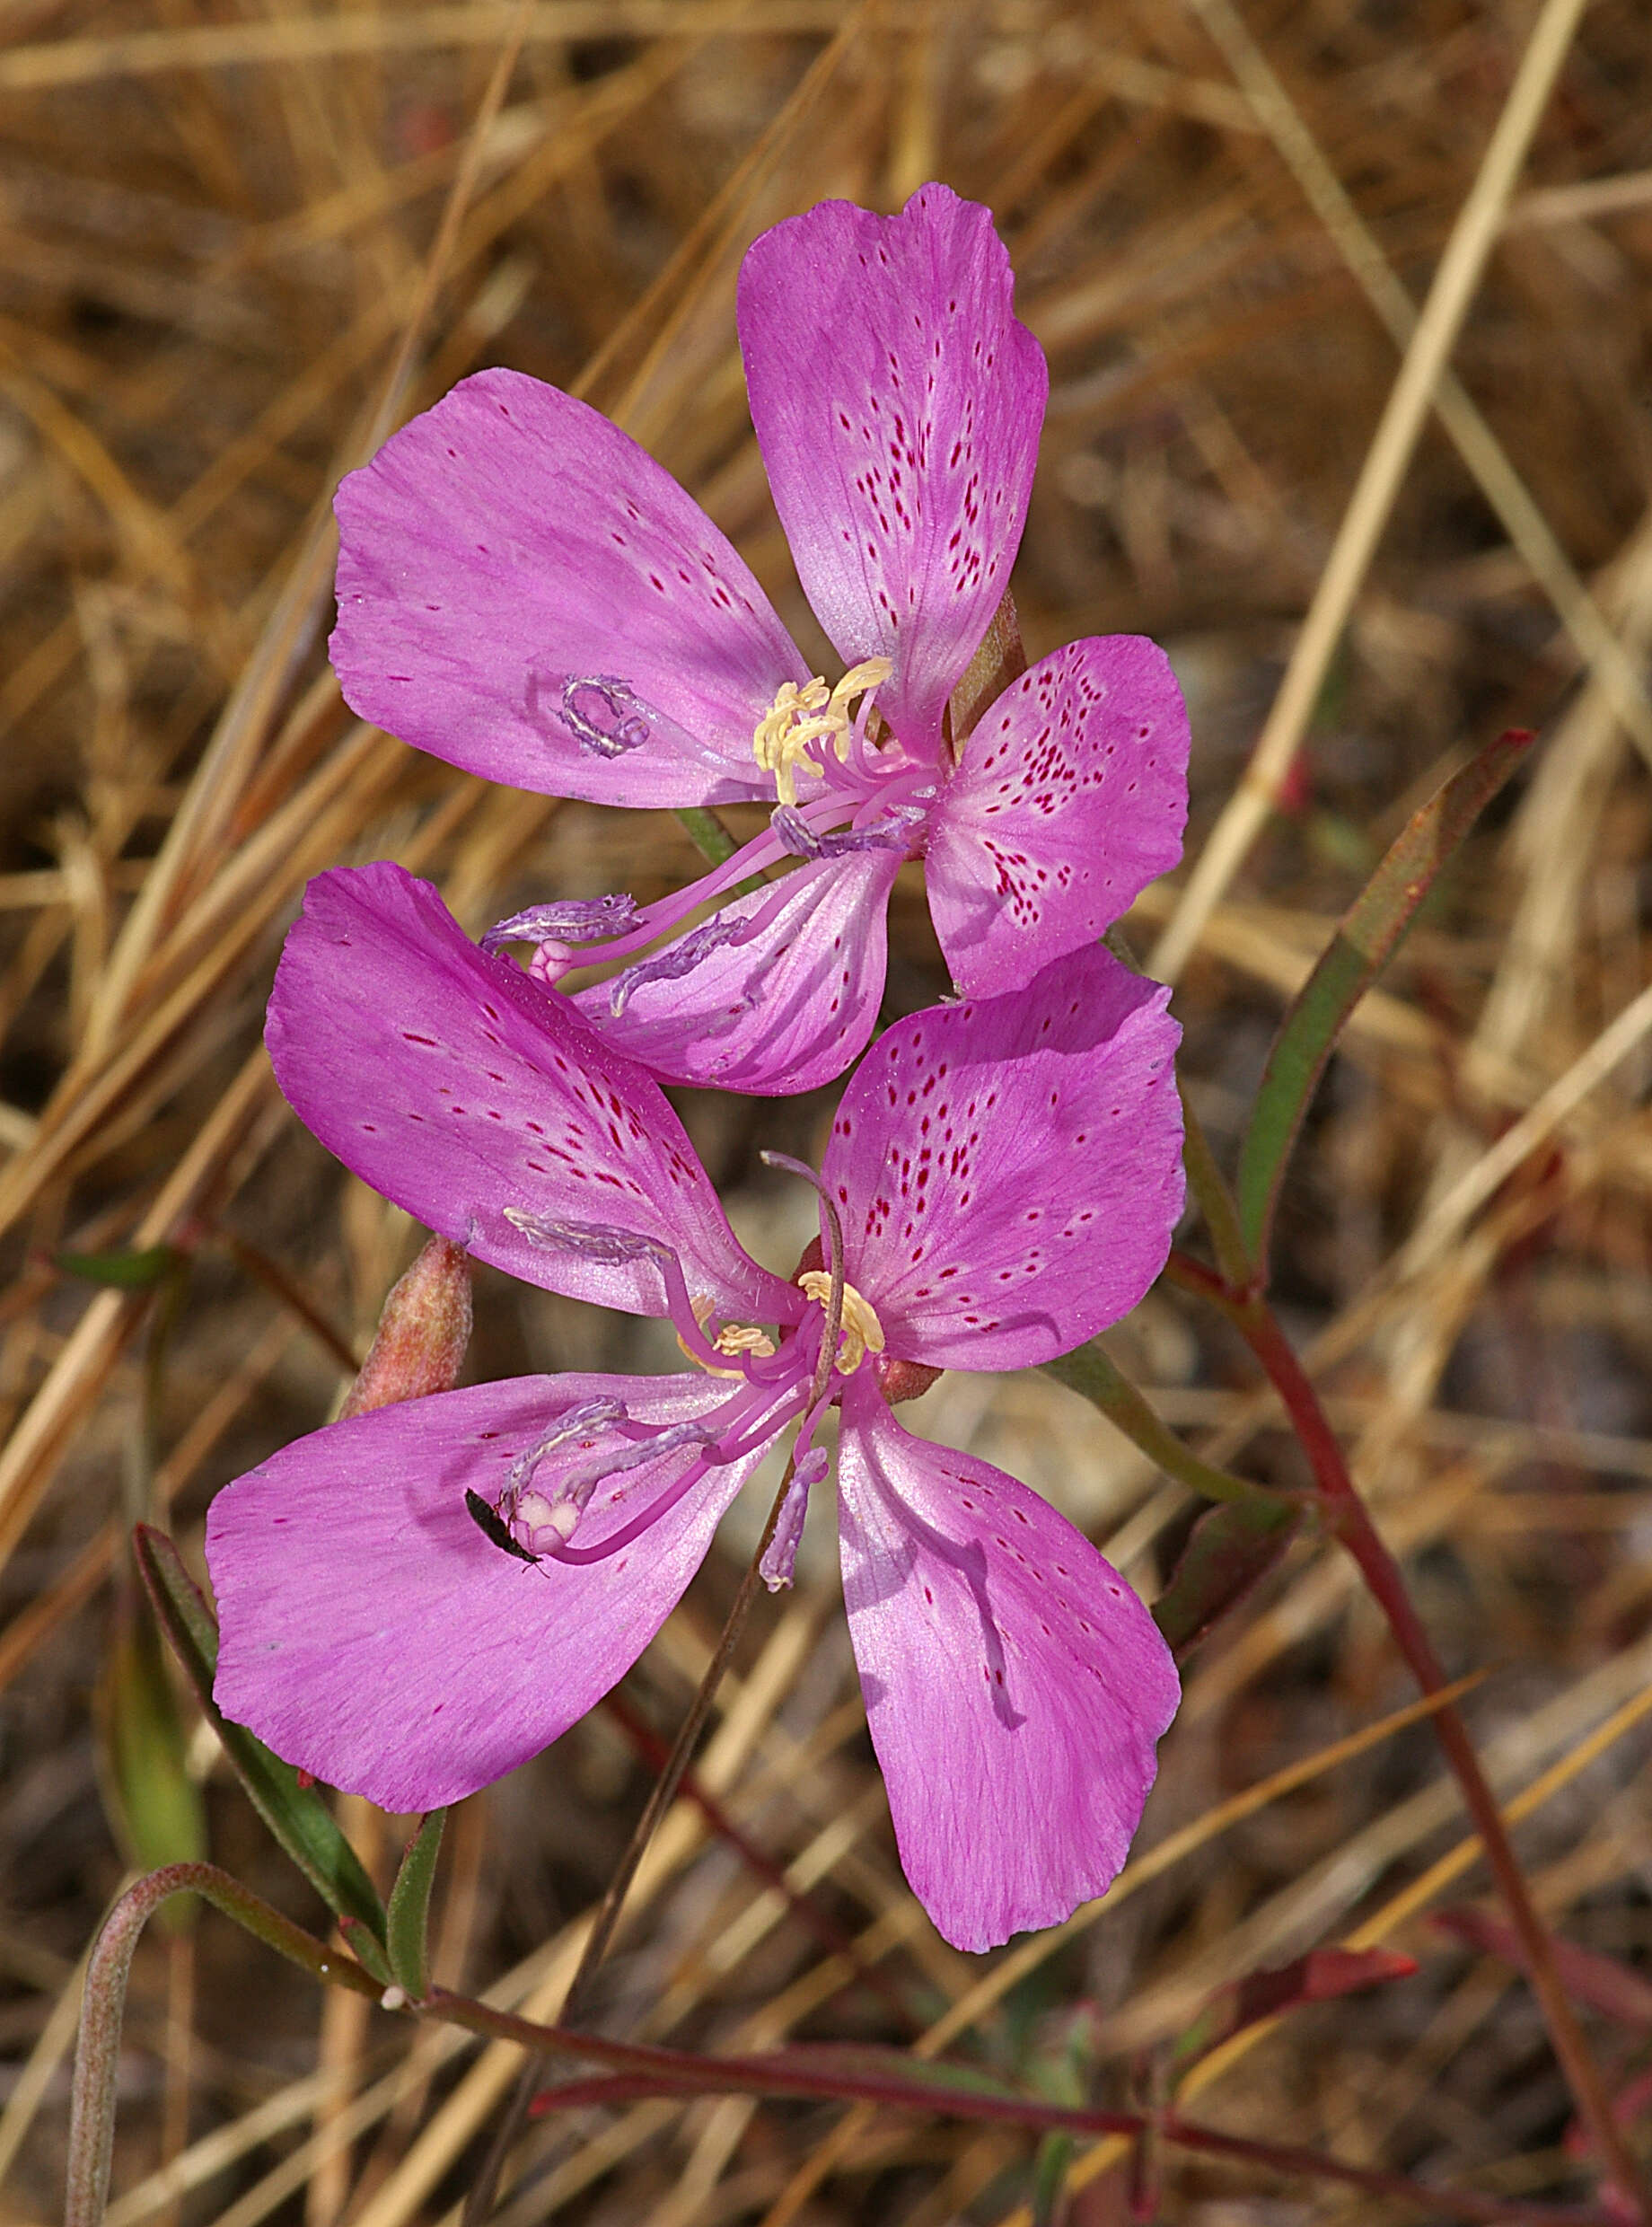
[480, 2200]
[1216, 1201]
[1349, 1519]
[97, 2056]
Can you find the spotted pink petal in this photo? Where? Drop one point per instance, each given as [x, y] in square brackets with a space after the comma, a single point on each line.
[372, 1632]
[1070, 799]
[523, 591]
[785, 1012]
[898, 406]
[1015, 1684]
[1009, 1169]
[459, 1088]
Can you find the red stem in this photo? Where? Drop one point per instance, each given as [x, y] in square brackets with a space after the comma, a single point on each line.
[1350, 1521]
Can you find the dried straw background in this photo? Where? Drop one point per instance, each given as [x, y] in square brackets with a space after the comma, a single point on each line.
[216, 226]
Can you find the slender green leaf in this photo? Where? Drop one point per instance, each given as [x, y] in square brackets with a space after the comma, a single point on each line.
[1370, 933]
[1089, 1370]
[125, 1271]
[295, 1813]
[97, 2058]
[1216, 1201]
[408, 1912]
[1228, 1550]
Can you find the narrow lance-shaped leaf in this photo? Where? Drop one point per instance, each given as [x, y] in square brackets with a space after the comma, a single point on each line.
[1370, 933]
[409, 1910]
[1319, 1976]
[1090, 1371]
[297, 1816]
[97, 2056]
[1229, 1549]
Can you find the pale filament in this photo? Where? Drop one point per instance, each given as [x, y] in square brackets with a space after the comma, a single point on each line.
[799, 717]
[862, 1333]
[733, 1339]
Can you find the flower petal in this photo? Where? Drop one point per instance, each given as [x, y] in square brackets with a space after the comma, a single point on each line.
[898, 405]
[523, 591]
[1015, 1684]
[1009, 1169]
[785, 1012]
[460, 1089]
[373, 1635]
[1071, 798]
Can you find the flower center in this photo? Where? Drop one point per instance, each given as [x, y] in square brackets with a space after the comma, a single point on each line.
[799, 717]
[862, 1333]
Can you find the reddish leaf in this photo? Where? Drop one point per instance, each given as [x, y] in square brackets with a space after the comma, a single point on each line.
[1319, 1976]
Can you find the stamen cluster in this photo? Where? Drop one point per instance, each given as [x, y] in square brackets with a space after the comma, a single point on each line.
[799, 717]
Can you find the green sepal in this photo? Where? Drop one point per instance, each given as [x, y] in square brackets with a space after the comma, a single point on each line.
[1090, 1371]
[295, 1813]
[366, 1947]
[713, 843]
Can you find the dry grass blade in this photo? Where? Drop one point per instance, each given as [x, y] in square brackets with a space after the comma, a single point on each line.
[1472, 241]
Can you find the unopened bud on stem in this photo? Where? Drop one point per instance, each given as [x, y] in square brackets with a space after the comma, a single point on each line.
[420, 1342]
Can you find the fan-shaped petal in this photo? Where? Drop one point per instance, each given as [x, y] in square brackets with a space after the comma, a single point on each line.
[784, 1011]
[1009, 1169]
[897, 404]
[466, 1093]
[1015, 1684]
[1071, 798]
[373, 1634]
[524, 592]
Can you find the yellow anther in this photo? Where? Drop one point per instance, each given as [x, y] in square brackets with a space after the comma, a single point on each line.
[744, 1338]
[862, 1333]
[733, 1339]
[799, 717]
[871, 673]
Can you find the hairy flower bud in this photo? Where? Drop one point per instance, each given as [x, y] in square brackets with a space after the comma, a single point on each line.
[419, 1344]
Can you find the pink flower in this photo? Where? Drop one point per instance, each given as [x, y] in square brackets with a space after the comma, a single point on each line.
[1007, 1175]
[524, 592]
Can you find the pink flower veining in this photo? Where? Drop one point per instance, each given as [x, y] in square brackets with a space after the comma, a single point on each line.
[1007, 1175]
[524, 592]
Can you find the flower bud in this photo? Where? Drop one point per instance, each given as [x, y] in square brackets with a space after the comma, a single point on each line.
[419, 1344]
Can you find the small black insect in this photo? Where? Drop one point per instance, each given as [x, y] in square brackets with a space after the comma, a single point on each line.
[488, 1521]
